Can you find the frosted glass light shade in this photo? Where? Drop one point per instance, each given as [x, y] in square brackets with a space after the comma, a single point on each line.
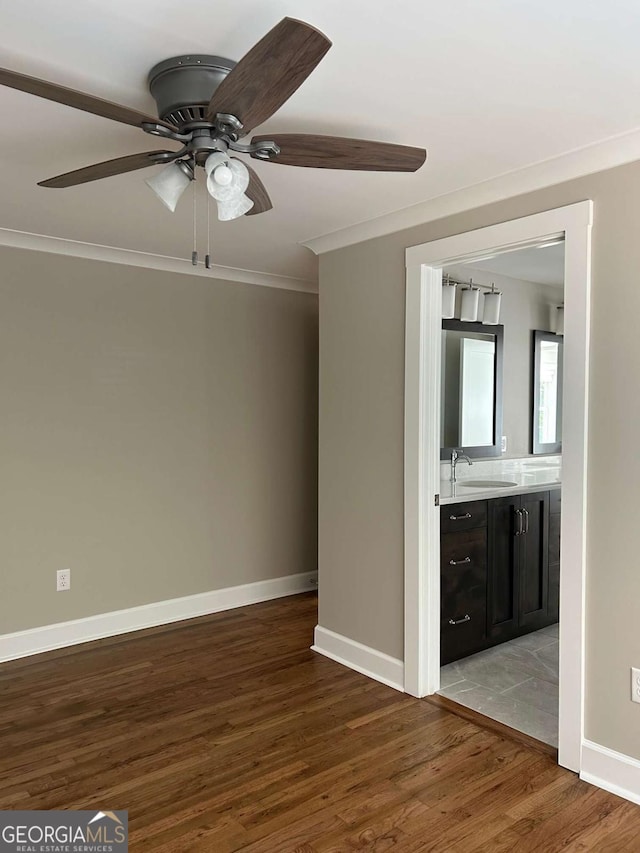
[227, 180]
[232, 181]
[560, 320]
[469, 304]
[234, 208]
[214, 160]
[169, 184]
[491, 310]
[448, 300]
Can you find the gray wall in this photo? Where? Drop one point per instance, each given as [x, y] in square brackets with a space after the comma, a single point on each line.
[526, 305]
[362, 291]
[157, 435]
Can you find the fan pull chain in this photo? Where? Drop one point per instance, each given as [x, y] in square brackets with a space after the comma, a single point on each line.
[194, 254]
[207, 257]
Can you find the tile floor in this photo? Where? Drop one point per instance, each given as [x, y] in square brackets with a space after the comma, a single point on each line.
[515, 683]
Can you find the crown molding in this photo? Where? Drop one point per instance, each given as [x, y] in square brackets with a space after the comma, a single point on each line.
[133, 258]
[607, 154]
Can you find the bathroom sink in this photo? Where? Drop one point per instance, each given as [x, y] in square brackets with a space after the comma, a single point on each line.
[488, 484]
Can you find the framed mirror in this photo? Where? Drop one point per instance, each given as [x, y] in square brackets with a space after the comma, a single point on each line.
[546, 407]
[471, 389]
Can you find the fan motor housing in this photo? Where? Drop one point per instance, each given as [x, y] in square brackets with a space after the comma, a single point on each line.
[182, 86]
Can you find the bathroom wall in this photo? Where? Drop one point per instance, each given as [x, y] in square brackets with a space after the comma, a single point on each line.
[525, 306]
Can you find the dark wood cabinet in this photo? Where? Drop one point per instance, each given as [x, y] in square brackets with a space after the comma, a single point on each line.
[463, 596]
[518, 565]
[465, 516]
[500, 570]
[502, 609]
[532, 569]
[554, 555]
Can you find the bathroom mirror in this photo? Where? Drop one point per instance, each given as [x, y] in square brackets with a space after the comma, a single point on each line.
[547, 393]
[471, 389]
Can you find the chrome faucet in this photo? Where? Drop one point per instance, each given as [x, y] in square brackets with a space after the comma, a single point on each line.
[455, 458]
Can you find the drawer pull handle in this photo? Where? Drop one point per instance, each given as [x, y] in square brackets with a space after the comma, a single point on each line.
[520, 529]
[523, 522]
[459, 517]
[459, 562]
[466, 618]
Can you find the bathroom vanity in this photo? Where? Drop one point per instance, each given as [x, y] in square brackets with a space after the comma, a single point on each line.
[499, 517]
[500, 566]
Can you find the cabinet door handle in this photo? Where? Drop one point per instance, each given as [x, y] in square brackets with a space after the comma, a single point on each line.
[459, 562]
[459, 517]
[526, 520]
[520, 529]
[466, 618]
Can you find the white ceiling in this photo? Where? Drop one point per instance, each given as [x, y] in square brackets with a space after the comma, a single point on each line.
[544, 265]
[487, 87]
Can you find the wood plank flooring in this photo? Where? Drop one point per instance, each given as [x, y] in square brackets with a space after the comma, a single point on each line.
[227, 734]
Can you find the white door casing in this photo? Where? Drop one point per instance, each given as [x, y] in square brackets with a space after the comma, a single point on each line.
[422, 448]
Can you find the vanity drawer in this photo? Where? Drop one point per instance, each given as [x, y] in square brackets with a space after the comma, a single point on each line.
[464, 516]
[463, 611]
[465, 549]
[464, 638]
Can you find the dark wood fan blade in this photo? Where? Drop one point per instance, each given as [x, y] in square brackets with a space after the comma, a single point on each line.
[77, 100]
[338, 152]
[257, 193]
[105, 170]
[270, 73]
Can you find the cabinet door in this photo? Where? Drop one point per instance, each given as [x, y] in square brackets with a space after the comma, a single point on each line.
[533, 562]
[502, 593]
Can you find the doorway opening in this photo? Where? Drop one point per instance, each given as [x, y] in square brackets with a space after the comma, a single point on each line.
[500, 495]
[423, 487]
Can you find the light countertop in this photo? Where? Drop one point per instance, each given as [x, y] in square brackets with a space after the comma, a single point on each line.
[529, 475]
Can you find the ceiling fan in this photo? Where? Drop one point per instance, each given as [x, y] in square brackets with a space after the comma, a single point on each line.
[208, 104]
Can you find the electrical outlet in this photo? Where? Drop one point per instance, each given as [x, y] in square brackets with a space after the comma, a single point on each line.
[503, 444]
[635, 684]
[63, 580]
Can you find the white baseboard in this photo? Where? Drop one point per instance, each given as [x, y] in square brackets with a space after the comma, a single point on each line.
[44, 639]
[368, 661]
[615, 772]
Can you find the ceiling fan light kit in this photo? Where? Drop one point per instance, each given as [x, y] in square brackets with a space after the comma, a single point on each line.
[208, 104]
[171, 182]
[227, 181]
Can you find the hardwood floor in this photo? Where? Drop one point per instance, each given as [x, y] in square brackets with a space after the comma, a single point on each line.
[226, 733]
